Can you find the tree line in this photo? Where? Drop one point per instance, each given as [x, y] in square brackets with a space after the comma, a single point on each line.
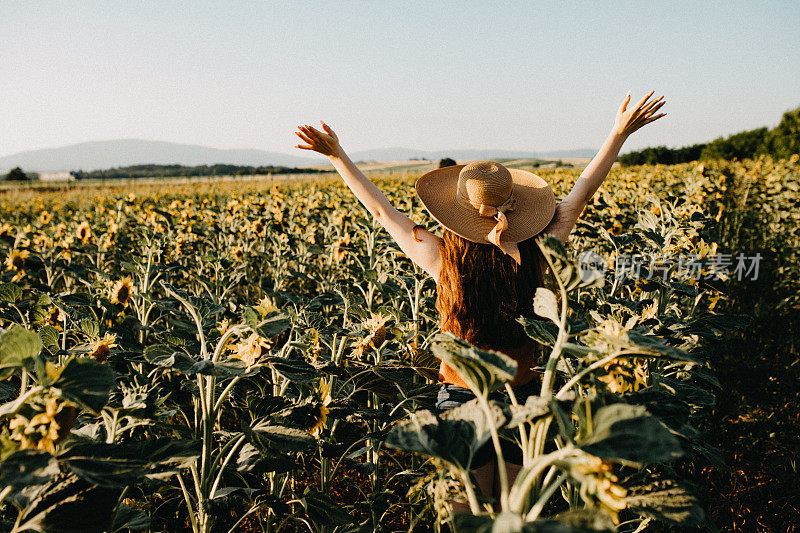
[169, 171]
[172, 171]
[780, 142]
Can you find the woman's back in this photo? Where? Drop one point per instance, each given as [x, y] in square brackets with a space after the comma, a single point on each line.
[481, 293]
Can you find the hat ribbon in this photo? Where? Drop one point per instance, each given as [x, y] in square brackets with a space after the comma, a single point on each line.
[499, 214]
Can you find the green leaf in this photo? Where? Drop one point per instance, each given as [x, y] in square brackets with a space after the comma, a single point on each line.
[273, 438]
[453, 436]
[89, 326]
[545, 304]
[687, 392]
[68, 504]
[629, 434]
[50, 336]
[18, 346]
[270, 327]
[117, 465]
[323, 510]
[251, 459]
[578, 521]
[534, 407]
[128, 519]
[27, 467]
[542, 331]
[85, 382]
[652, 345]
[294, 369]
[167, 357]
[667, 501]
[9, 292]
[583, 520]
[483, 370]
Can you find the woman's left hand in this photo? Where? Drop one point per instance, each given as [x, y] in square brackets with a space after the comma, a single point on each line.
[325, 143]
[630, 120]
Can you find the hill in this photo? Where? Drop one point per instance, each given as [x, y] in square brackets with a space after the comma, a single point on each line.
[130, 152]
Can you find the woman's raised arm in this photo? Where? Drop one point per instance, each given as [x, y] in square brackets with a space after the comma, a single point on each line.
[421, 246]
[627, 121]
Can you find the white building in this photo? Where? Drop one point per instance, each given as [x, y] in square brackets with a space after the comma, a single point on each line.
[57, 176]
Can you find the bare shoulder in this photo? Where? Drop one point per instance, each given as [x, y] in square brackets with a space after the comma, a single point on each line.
[566, 214]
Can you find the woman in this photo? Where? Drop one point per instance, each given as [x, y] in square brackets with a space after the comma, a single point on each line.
[486, 265]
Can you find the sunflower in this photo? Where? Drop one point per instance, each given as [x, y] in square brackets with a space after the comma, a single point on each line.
[258, 228]
[251, 349]
[223, 326]
[55, 317]
[106, 243]
[45, 429]
[84, 231]
[376, 332]
[16, 262]
[625, 375]
[5, 230]
[338, 252]
[102, 347]
[265, 306]
[45, 217]
[121, 292]
[598, 480]
[321, 408]
[313, 340]
[237, 253]
[16, 259]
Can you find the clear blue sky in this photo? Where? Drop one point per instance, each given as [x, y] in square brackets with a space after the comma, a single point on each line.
[425, 75]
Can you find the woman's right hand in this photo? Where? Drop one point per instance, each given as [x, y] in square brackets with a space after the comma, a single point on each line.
[630, 120]
[326, 143]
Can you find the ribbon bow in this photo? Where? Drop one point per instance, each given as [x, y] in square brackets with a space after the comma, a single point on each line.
[499, 214]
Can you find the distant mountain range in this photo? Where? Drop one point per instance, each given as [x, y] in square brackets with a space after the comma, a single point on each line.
[125, 152]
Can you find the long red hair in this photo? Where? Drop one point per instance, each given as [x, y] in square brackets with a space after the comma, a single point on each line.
[482, 291]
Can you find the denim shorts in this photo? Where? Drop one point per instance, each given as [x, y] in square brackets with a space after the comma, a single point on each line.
[452, 396]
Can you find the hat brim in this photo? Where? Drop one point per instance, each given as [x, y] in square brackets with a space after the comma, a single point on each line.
[534, 209]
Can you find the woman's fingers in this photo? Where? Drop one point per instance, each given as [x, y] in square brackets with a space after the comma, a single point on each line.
[327, 128]
[658, 102]
[303, 146]
[651, 119]
[311, 134]
[624, 105]
[639, 123]
[656, 107]
[644, 99]
[304, 137]
[317, 132]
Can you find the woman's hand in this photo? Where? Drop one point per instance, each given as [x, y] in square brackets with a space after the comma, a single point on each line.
[630, 120]
[325, 143]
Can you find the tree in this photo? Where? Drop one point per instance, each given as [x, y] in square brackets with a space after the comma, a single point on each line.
[784, 139]
[743, 145]
[446, 162]
[16, 174]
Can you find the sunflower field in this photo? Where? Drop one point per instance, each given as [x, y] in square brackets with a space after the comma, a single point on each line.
[261, 356]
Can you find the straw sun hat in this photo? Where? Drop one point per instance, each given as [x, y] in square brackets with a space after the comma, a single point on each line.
[486, 202]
